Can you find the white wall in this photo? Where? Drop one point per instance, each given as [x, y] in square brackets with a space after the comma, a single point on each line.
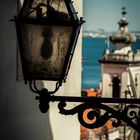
[68, 127]
[20, 118]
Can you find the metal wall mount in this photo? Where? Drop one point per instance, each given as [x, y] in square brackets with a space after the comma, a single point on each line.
[100, 111]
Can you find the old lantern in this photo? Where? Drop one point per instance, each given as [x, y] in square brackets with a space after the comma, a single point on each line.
[47, 32]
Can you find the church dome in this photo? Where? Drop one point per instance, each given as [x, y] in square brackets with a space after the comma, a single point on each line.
[122, 40]
[123, 35]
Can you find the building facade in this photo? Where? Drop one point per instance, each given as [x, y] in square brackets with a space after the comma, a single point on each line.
[120, 68]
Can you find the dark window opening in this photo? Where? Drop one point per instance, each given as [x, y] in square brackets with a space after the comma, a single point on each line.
[116, 87]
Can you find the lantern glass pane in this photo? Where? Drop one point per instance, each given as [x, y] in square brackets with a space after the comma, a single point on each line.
[44, 50]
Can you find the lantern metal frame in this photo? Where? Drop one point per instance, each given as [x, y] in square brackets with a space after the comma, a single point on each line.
[126, 110]
[73, 22]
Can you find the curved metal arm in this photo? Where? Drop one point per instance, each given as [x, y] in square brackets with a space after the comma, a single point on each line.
[33, 87]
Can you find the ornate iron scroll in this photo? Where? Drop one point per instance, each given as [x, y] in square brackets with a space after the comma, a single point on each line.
[101, 113]
[99, 109]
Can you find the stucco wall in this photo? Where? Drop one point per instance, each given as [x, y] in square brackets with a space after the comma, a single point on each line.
[68, 127]
[20, 118]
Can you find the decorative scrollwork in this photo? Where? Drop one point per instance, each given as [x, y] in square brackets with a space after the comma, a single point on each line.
[94, 112]
[131, 116]
[98, 114]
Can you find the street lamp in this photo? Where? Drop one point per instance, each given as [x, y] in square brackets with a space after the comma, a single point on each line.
[47, 32]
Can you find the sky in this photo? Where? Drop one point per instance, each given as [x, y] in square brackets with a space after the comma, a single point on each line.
[104, 14]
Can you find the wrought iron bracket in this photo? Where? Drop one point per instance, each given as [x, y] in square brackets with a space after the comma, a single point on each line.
[100, 110]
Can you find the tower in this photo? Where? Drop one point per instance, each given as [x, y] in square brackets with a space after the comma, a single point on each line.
[117, 66]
